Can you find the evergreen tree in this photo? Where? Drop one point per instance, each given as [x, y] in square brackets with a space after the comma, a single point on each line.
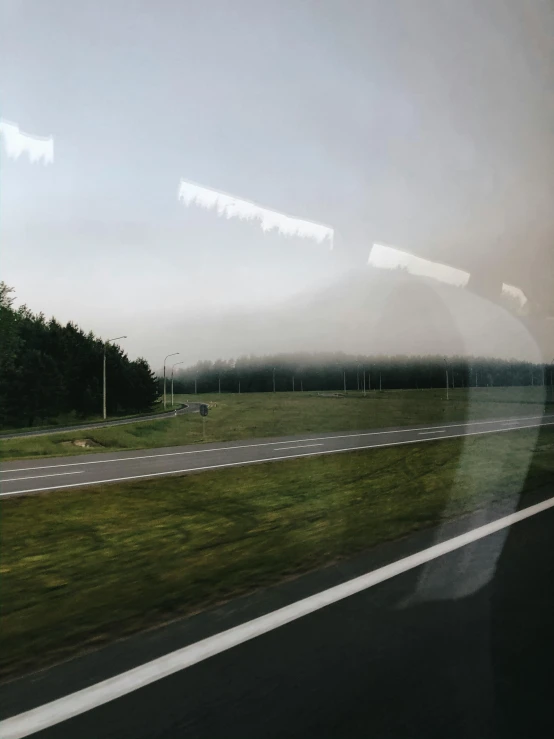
[47, 369]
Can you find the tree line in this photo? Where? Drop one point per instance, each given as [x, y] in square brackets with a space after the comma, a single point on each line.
[340, 372]
[48, 370]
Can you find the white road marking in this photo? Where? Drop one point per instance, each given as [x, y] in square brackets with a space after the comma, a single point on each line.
[272, 443]
[35, 477]
[299, 446]
[267, 459]
[438, 431]
[74, 704]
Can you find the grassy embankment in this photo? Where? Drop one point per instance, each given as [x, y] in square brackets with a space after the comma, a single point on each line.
[81, 568]
[72, 419]
[258, 415]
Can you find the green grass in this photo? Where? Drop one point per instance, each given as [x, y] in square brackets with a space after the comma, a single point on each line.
[72, 419]
[81, 568]
[252, 415]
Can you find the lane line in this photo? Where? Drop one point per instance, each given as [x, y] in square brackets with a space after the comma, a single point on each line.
[427, 433]
[299, 446]
[74, 704]
[35, 477]
[268, 459]
[272, 443]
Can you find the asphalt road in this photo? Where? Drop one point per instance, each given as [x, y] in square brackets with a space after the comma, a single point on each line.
[37, 476]
[381, 663]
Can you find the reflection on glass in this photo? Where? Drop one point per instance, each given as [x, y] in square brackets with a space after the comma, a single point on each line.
[16, 143]
[232, 207]
[387, 257]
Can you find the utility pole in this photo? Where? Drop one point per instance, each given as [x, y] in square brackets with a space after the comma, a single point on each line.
[364, 383]
[293, 383]
[219, 384]
[301, 386]
[358, 377]
[195, 386]
[169, 355]
[447, 393]
[104, 374]
[176, 363]
[380, 383]
[239, 387]
[274, 379]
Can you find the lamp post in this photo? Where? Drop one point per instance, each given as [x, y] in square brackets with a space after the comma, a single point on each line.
[104, 375]
[165, 360]
[447, 391]
[172, 368]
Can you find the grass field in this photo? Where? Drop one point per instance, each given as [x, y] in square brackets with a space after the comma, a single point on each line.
[81, 568]
[254, 415]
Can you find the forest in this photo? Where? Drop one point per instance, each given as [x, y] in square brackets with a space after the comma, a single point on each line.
[48, 370]
[339, 372]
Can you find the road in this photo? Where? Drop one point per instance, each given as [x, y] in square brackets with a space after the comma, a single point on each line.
[39, 476]
[379, 663]
[187, 408]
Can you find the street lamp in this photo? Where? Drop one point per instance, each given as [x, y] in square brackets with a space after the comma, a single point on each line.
[104, 374]
[447, 391]
[165, 360]
[172, 368]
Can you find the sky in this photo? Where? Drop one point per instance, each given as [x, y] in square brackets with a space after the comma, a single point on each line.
[428, 126]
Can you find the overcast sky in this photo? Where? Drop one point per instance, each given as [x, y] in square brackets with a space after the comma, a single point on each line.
[427, 125]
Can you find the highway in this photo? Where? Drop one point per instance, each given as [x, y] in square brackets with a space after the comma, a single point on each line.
[378, 663]
[43, 475]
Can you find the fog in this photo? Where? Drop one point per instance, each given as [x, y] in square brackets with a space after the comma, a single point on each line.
[372, 312]
[427, 127]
